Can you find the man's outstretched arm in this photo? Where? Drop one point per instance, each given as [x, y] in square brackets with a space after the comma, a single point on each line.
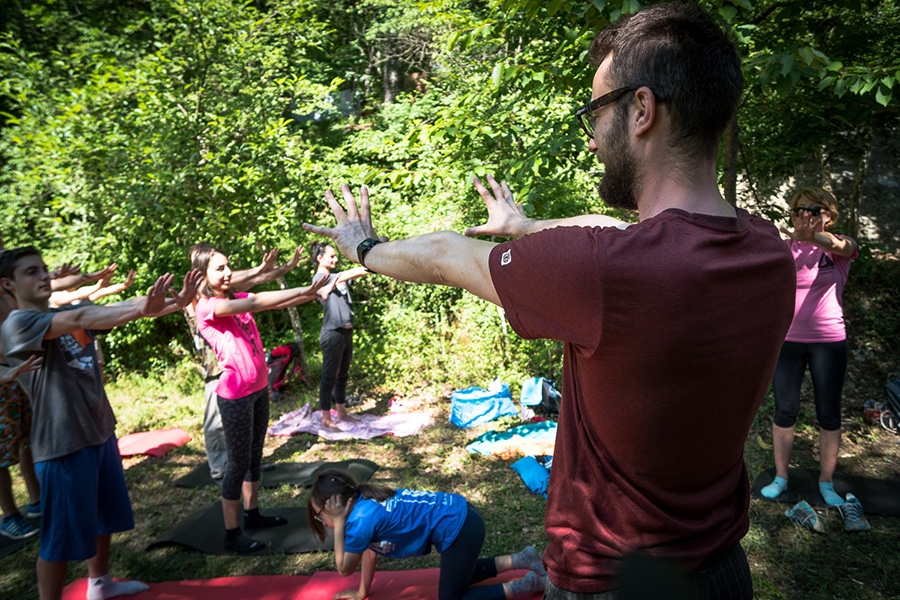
[443, 258]
[506, 218]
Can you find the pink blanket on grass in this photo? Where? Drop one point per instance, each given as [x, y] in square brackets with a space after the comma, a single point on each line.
[309, 420]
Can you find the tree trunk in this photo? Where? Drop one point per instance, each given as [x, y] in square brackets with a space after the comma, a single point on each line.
[730, 141]
[862, 165]
[392, 79]
[298, 334]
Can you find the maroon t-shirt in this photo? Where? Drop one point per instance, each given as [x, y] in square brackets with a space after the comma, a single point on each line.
[672, 329]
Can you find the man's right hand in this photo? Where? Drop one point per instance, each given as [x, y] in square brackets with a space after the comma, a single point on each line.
[353, 226]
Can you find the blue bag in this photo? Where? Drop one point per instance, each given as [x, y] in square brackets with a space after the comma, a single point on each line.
[474, 406]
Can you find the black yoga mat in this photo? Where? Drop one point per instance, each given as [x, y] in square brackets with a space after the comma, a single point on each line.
[878, 496]
[296, 474]
[204, 531]
[8, 546]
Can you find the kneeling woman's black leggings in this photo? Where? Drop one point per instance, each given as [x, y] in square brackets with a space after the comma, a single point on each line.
[461, 566]
[244, 421]
[827, 366]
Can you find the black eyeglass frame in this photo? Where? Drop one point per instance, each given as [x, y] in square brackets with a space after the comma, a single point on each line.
[318, 516]
[585, 114]
[814, 211]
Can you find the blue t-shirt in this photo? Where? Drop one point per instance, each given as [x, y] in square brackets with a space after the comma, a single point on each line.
[407, 524]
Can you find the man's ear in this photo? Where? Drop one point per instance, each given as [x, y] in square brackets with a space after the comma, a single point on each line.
[7, 285]
[646, 108]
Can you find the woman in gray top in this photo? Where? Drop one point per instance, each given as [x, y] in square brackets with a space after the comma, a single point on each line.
[336, 337]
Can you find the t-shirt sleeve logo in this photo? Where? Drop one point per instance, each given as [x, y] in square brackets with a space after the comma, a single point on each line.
[506, 258]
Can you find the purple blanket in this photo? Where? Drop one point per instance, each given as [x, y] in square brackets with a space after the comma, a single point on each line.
[309, 420]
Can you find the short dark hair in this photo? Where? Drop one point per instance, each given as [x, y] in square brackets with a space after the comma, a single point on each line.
[10, 258]
[676, 49]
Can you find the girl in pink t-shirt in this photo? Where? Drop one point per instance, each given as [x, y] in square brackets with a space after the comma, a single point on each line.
[816, 338]
[224, 320]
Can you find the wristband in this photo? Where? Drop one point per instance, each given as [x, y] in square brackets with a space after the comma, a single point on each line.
[363, 249]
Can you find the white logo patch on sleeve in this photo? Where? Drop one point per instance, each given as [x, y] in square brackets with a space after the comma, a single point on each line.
[506, 258]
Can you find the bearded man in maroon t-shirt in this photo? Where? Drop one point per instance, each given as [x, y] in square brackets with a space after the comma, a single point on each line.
[672, 325]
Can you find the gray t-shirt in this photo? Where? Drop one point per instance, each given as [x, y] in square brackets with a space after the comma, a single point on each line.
[338, 306]
[69, 405]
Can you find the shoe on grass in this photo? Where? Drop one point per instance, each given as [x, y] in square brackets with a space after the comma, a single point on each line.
[15, 527]
[803, 515]
[852, 512]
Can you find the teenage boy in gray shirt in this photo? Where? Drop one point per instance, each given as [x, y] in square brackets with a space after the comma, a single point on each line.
[73, 440]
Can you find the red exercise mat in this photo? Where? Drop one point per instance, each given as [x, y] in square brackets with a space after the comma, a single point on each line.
[421, 584]
[153, 443]
[255, 587]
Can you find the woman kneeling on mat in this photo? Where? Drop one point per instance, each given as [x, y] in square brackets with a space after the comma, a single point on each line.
[370, 519]
[224, 320]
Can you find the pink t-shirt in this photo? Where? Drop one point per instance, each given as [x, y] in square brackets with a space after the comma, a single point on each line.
[238, 348]
[819, 307]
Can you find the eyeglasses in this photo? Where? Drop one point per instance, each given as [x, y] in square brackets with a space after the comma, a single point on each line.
[585, 114]
[318, 515]
[814, 210]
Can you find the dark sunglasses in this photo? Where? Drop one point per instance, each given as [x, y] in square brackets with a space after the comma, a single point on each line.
[585, 114]
[814, 210]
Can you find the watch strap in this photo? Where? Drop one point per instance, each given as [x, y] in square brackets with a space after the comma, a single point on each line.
[363, 248]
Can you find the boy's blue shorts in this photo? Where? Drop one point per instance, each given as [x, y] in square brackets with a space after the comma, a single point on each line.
[83, 495]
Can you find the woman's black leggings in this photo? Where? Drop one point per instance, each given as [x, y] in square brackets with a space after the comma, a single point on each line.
[337, 352]
[461, 566]
[827, 366]
[244, 421]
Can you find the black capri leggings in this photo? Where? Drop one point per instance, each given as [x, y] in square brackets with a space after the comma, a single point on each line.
[337, 352]
[827, 366]
[461, 566]
[244, 421]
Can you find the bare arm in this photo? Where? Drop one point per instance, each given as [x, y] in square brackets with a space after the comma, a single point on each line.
[112, 315]
[268, 300]
[805, 231]
[67, 283]
[346, 562]
[61, 298]
[506, 218]
[33, 363]
[444, 258]
[348, 275]
[108, 290]
[242, 281]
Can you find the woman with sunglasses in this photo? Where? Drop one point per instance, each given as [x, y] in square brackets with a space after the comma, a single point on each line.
[817, 337]
[371, 520]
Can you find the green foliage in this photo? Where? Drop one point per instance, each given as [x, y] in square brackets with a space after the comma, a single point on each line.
[132, 131]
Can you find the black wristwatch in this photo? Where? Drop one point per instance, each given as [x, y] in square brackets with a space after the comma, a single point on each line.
[363, 249]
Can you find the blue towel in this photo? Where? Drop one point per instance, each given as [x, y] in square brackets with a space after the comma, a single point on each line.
[535, 475]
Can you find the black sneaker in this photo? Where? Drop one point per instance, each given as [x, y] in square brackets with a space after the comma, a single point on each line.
[243, 544]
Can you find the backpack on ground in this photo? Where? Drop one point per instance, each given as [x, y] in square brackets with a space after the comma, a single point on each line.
[890, 414]
[283, 363]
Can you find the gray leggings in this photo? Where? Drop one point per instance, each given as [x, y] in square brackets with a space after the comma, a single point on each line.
[245, 421]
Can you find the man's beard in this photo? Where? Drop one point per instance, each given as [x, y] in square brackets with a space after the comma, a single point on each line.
[619, 184]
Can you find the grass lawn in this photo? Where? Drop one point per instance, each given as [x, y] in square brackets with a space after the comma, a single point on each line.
[786, 561]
